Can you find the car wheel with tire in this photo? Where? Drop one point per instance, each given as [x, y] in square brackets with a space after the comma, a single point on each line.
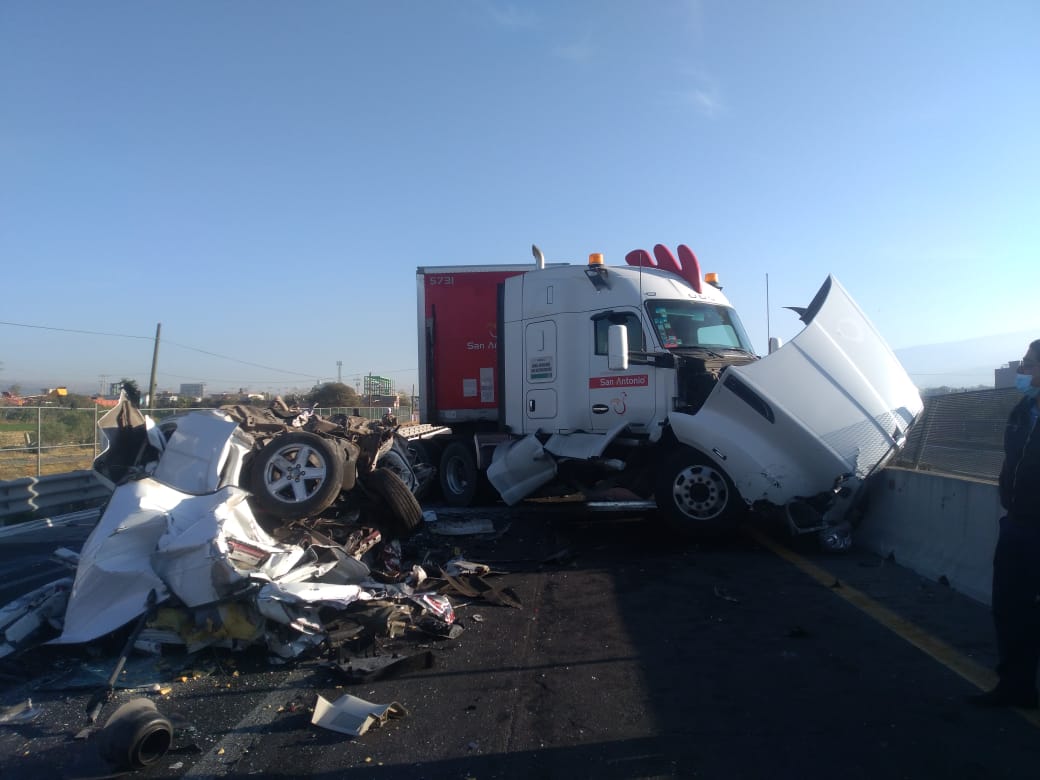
[695, 496]
[296, 475]
[399, 513]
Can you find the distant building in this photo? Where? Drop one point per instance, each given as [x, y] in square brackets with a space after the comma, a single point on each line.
[379, 391]
[196, 390]
[1005, 375]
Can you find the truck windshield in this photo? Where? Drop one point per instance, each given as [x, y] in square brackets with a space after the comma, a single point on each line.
[687, 324]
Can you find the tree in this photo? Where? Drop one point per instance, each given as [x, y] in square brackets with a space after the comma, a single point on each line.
[333, 394]
[77, 401]
[133, 392]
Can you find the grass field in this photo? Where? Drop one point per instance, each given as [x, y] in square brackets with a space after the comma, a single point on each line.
[18, 464]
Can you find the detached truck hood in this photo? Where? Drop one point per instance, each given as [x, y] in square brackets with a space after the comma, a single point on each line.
[832, 403]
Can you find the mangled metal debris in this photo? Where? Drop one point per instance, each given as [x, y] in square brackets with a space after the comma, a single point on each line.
[353, 716]
[370, 668]
[246, 524]
[19, 714]
[25, 618]
[243, 528]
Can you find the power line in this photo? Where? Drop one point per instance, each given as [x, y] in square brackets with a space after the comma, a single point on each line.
[241, 362]
[308, 374]
[73, 330]
[150, 338]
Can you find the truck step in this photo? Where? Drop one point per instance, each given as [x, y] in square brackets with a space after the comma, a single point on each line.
[620, 506]
[422, 430]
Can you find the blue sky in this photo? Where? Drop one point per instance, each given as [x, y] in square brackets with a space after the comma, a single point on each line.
[263, 178]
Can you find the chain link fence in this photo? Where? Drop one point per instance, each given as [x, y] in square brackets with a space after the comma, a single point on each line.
[960, 434]
[42, 440]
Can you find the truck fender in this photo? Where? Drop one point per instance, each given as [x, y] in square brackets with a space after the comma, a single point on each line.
[519, 467]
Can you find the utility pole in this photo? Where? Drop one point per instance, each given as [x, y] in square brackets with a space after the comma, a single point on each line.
[339, 371]
[155, 362]
[769, 332]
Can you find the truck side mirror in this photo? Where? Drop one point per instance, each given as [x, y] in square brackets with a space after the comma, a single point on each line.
[617, 348]
[774, 344]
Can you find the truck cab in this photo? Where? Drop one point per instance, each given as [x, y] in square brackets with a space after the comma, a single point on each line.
[641, 377]
[556, 331]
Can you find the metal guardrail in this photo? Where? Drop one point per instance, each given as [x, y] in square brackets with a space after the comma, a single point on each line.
[29, 496]
[960, 434]
[85, 517]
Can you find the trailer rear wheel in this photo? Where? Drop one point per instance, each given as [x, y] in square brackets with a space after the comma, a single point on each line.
[459, 476]
[695, 496]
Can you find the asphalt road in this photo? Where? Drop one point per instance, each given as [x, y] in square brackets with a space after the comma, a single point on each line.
[633, 656]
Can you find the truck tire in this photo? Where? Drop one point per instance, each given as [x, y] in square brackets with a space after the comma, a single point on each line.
[399, 514]
[296, 475]
[696, 497]
[459, 477]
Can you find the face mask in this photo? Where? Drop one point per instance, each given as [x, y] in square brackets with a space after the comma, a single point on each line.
[1023, 383]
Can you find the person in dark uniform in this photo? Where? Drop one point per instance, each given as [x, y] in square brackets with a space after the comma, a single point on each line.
[1016, 561]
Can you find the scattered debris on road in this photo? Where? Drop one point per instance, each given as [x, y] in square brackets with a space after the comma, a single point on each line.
[247, 528]
[353, 716]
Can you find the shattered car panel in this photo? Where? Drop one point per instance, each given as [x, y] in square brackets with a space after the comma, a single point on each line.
[831, 405]
[180, 525]
[203, 452]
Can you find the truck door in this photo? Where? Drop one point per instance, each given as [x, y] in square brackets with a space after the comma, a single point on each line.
[619, 396]
[541, 372]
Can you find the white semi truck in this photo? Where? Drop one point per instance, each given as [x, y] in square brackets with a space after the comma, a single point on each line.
[639, 382]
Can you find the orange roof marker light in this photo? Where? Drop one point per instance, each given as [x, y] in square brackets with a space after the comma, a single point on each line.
[597, 272]
[713, 279]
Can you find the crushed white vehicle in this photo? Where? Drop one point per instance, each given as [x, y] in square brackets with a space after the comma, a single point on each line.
[239, 526]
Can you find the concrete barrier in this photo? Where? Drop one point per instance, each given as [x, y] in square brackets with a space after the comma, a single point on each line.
[938, 526]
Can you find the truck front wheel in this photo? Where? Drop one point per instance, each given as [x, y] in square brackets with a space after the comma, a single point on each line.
[459, 477]
[695, 496]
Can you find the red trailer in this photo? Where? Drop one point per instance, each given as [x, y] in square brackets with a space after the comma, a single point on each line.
[458, 342]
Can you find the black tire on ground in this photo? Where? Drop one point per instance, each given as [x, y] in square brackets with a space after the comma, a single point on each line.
[399, 513]
[135, 736]
[296, 475]
[696, 497]
[458, 475]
